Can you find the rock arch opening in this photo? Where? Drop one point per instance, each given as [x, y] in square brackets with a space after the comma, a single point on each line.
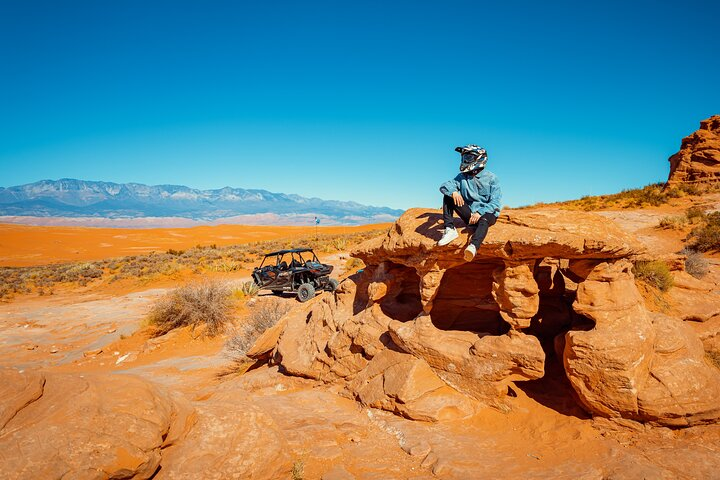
[464, 300]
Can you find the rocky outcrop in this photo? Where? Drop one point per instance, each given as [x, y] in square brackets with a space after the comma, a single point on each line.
[698, 160]
[85, 426]
[606, 364]
[424, 334]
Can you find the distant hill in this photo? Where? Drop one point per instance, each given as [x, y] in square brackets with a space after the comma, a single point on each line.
[121, 203]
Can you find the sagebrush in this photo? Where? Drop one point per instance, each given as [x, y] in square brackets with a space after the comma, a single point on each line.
[706, 236]
[205, 303]
[695, 264]
[263, 315]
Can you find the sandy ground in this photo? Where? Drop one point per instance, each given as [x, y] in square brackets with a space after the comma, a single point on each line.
[22, 245]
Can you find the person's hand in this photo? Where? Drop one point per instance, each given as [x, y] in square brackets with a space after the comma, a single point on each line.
[458, 199]
[474, 218]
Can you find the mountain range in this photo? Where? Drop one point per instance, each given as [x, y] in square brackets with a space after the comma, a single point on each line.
[104, 203]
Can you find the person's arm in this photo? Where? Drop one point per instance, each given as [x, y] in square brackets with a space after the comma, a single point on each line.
[495, 197]
[450, 186]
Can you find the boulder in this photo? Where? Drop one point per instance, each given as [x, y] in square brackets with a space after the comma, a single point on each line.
[405, 384]
[693, 299]
[606, 364]
[85, 426]
[682, 389]
[481, 366]
[633, 364]
[698, 160]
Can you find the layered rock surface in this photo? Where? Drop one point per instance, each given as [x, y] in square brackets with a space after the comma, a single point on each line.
[424, 334]
[698, 160]
[85, 426]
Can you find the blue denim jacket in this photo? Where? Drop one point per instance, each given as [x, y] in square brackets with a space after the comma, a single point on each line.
[481, 192]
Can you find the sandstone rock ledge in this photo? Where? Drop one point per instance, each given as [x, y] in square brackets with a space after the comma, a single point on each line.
[428, 336]
[55, 426]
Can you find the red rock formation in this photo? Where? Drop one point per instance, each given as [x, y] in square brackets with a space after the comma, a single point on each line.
[424, 334]
[85, 426]
[698, 160]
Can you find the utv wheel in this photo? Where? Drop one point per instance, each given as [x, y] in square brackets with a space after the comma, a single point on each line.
[332, 285]
[305, 292]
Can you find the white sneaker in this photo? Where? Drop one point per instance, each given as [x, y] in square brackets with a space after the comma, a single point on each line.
[470, 252]
[449, 235]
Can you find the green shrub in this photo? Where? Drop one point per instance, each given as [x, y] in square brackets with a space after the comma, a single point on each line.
[706, 237]
[655, 273]
[203, 303]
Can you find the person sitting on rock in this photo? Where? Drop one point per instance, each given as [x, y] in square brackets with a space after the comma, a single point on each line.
[475, 195]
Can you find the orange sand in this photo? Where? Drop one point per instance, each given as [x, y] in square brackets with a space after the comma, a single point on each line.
[23, 245]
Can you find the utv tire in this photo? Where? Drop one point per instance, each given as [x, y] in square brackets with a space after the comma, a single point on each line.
[305, 292]
[332, 285]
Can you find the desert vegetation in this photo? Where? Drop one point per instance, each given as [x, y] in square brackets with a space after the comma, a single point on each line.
[655, 194]
[169, 264]
[263, 315]
[695, 263]
[654, 273]
[206, 304]
[705, 237]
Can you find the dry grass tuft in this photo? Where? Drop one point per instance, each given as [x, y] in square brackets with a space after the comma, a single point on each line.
[205, 303]
[246, 290]
[706, 236]
[263, 315]
[655, 273]
[675, 222]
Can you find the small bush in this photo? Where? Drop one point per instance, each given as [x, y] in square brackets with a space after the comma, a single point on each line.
[672, 223]
[205, 303]
[695, 264]
[706, 237]
[354, 264]
[263, 315]
[655, 273]
[339, 243]
[246, 289]
[694, 214]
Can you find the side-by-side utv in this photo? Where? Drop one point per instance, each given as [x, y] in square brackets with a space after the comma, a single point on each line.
[294, 271]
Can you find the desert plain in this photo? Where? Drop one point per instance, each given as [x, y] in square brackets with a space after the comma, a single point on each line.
[181, 406]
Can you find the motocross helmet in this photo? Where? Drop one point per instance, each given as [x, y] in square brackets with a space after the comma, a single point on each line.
[473, 159]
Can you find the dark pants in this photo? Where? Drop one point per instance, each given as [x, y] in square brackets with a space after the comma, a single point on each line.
[481, 227]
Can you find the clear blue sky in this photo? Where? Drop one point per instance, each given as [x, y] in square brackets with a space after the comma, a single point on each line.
[354, 100]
